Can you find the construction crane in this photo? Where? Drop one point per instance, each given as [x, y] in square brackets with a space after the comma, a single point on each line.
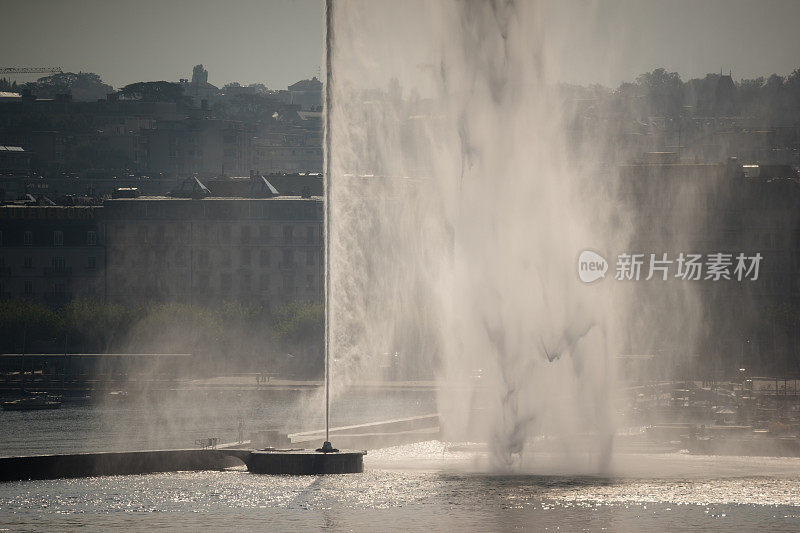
[30, 70]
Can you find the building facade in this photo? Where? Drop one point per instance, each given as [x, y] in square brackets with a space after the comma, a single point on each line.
[197, 145]
[725, 323]
[261, 251]
[51, 254]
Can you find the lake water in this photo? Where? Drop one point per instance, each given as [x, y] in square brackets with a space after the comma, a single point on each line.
[174, 419]
[420, 487]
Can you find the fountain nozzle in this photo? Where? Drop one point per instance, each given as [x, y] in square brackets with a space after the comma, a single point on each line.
[327, 447]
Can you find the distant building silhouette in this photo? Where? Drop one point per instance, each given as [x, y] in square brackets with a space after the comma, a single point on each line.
[725, 96]
[198, 89]
[307, 94]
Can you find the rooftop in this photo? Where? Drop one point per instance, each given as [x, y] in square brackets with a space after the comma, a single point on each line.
[214, 198]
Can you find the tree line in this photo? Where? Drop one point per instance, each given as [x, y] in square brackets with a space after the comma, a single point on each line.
[233, 336]
[774, 99]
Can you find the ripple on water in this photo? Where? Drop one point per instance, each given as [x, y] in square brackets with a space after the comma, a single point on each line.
[399, 496]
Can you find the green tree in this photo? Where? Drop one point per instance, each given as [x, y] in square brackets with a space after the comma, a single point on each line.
[83, 86]
[298, 322]
[246, 107]
[664, 90]
[26, 322]
[93, 326]
[155, 91]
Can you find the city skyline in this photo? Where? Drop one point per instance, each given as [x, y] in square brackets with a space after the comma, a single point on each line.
[280, 42]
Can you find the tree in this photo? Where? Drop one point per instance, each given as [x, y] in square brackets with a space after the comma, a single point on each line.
[7, 85]
[155, 91]
[25, 322]
[247, 107]
[83, 86]
[299, 330]
[298, 322]
[664, 90]
[750, 101]
[793, 93]
[95, 326]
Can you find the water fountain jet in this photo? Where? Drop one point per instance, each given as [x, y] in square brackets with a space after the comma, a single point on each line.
[326, 459]
[461, 213]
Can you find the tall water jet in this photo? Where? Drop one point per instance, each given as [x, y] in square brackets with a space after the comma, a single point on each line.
[461, 210]
[328, 209]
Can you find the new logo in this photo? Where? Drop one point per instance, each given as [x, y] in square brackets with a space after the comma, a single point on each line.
[591, 266]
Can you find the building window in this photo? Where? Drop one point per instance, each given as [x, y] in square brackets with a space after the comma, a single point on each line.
[1, 238]
[225, 282]
[288, 281]
[264, 282]
[244, 282]
[288, 234]
[203, 233]
[202, 258]
[264, 258]
[28, 238]
[118, 256]
[288, 257]
[263, 234]
[142, 234]
[58, 238]
[91, 238]
[309, 235]
[59, 264]
[310, 258]
[225, 256]
[245, 234]
[180, 257]
[245, 257]
[91, 262]
[309, 282]
[28, 262]
[28, 288]
[225, 234]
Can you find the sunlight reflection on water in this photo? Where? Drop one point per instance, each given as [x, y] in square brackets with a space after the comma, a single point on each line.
[392, 495]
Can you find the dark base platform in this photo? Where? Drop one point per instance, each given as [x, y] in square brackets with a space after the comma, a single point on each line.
[109, 464]
[301, 462]
[298, 462]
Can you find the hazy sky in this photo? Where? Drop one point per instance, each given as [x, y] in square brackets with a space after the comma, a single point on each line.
[275, 42]
[609, 41]
[278, 42]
